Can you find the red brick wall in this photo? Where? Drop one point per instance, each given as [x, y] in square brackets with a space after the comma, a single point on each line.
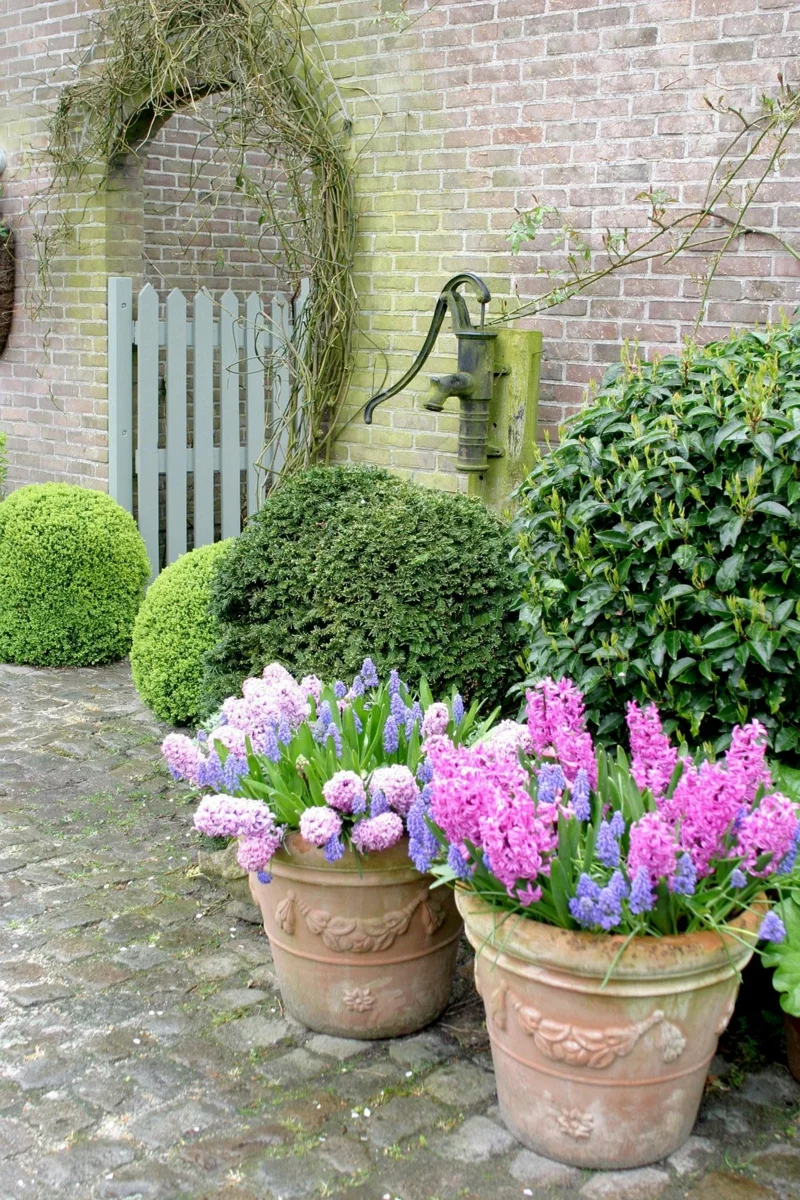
[458, 120]
[585, 103]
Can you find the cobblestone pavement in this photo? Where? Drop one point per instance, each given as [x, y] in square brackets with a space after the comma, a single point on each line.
[143, 1048]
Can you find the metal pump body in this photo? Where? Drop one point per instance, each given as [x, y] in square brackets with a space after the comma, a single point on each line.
[472, 383]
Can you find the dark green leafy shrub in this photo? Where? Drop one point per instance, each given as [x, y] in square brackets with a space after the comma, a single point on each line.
[172, 632]
[658, 543]
[341, 563]
[72, 572]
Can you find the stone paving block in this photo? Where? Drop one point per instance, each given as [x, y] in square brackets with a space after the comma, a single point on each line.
[164, 1127]
[724, 1185]
[642, 1183]
[534, 1171]
[402, 1117]
[141, 957]
[780, 1164]
[141, 1181]
[296, 1066]
[692, 1155]
[216, 966]
[294, 1178]
[57, 1116]
[221, 1151]
[422, 1050]
[345, 1154]
[335, 1047]
[461, 1085]
[82, 1163]
[232, 999]
[773, 1086]
[477, 1140]
[15, 1137]
[47, 1071]
[14, 973]
[252, 1033]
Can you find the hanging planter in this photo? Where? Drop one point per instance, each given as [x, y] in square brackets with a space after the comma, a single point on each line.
[8, 272]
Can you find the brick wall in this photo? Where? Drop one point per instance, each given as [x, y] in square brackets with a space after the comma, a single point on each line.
[458, 120]
[585, 103]
[199, 230]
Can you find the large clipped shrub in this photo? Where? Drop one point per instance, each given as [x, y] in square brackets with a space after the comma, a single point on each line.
[72, 572]
[173, 630]
[659, 545]
[341, 563]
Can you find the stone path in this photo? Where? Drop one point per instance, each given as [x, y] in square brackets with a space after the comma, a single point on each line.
[143, 1048]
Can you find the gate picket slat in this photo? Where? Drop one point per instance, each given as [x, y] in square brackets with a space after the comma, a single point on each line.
[281, 382]
[257, 346]
[176, 425]
[203, 326]
[147, 438]
[120, 391]
[229, 415]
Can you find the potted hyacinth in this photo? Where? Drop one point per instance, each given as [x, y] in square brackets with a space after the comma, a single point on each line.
[612, 906]
[326, 789]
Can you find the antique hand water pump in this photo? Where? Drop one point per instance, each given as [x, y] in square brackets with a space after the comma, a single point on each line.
[496, 383]
[472, 383]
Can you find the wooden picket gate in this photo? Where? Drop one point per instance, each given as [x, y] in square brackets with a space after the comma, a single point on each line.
[180, 385]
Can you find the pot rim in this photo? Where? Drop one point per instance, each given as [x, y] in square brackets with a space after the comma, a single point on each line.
[530, 947]
[298, 859]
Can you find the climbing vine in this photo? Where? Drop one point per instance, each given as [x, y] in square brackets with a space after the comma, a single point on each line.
[274, 95]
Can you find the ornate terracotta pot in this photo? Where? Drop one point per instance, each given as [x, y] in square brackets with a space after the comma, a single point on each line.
[604, 1077]
[361, 950]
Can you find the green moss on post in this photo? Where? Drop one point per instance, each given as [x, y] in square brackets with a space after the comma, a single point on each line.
[512, 417]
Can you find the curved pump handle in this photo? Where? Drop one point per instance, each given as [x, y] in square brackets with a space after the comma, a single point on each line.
[449, 297]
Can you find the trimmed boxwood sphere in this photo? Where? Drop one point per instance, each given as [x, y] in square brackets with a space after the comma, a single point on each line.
[344, 562]
[172, 632]
[73, 568]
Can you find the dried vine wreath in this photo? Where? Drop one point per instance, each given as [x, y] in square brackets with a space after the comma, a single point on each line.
[158, 57]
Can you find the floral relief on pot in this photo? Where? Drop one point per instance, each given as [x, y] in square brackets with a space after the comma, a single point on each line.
[361, 949]
[582, 1046]
[354, 935]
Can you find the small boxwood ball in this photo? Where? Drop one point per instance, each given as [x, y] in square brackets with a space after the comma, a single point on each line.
[172, 632]
[345, 562]
[73, 568]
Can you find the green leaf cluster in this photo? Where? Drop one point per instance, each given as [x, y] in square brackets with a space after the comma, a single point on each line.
[342, 563]
[73, 569]
[172, 632]
[785, 956]
[658, 548]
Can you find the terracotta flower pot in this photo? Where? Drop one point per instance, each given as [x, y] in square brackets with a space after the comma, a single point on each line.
[601, 1077]
[366, 953]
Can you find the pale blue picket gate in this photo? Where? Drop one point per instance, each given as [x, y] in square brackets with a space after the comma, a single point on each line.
[238, 352]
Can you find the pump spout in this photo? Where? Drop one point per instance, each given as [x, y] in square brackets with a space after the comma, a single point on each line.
[444, 386]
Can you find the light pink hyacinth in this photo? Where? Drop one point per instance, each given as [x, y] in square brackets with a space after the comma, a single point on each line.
[771, 828]
[509, 737]
[255, 852]
[233, 816]
[345, 791]
[398, 786]
[319, 824]
[183, 756]
[436, 720]
[377, 833]
[234, 740]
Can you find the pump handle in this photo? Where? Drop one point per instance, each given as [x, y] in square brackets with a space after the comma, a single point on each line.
[449, 297]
